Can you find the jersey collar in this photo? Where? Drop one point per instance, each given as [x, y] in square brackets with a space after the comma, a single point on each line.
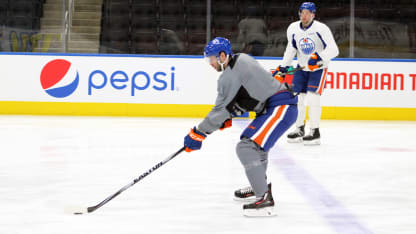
[233, 59]
[304, 29]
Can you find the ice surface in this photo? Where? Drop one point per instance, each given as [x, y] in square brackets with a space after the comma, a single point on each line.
[362, 179]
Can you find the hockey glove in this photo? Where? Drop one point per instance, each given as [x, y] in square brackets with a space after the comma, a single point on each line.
[313, 61]
[279, 73]
[193, 141]
[227, 124]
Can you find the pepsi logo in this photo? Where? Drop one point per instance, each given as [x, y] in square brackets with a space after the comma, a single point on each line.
[307, 46]
[59, 78]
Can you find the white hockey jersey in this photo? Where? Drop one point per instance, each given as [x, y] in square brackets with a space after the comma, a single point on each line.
[302, 43]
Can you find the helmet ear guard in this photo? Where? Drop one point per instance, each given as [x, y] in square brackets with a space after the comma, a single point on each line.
[222, 63]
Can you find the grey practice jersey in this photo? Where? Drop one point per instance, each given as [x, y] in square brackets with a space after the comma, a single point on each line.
[243, 86]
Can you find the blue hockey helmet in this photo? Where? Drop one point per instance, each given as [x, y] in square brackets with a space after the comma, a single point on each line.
[310, 6]
[216, 46]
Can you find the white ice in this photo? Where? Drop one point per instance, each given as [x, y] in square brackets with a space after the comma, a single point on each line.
[362, 179]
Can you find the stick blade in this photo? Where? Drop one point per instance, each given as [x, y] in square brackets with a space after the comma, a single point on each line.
[76, 210]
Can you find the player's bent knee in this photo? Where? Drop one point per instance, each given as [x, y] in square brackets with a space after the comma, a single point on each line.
[248, 152]
[245, 145]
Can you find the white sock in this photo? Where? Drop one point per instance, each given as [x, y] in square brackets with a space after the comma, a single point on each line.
[314, 103]
[300, 121]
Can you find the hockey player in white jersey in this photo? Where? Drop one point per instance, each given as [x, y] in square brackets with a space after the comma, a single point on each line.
[314, 46]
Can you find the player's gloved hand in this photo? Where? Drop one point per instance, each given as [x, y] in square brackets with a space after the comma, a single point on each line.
[280, 70]
[227, 124]
[313, 61]
[279, 73]
[193, 141]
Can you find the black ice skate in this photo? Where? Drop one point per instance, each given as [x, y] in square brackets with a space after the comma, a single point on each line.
[296, 136]
[314, 137]
[262, 207]
[245, 194]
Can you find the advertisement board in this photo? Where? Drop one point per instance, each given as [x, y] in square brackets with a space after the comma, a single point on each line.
[183, 81]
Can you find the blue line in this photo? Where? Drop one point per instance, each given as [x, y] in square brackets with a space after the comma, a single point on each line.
[188, 56]
[326, 205]
[376, 60]
[335, 214]
[351, 59]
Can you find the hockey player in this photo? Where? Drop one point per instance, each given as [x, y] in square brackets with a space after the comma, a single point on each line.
[245, 85]
[314, 46]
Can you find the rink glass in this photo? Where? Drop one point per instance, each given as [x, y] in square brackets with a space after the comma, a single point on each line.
[362, 29]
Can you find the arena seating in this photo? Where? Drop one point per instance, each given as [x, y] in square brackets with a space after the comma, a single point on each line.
[130, 26]
[21, 14]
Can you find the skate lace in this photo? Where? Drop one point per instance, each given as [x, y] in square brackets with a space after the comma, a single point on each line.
[246, 190]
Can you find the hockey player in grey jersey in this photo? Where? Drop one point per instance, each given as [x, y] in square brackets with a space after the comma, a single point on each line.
[243, 86]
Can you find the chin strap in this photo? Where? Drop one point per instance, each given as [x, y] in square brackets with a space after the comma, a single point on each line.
[222, 64]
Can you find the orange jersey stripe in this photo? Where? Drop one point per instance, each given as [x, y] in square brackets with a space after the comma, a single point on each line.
[259, 139]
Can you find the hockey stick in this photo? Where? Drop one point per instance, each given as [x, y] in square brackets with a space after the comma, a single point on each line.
[288, 87]
[289, 72]
[281, 74]
[84, 210]
[293, 71]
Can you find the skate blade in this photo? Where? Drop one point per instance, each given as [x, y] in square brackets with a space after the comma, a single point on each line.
[264, 212]
[312, 142]
[247, 199]
[295, 140]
